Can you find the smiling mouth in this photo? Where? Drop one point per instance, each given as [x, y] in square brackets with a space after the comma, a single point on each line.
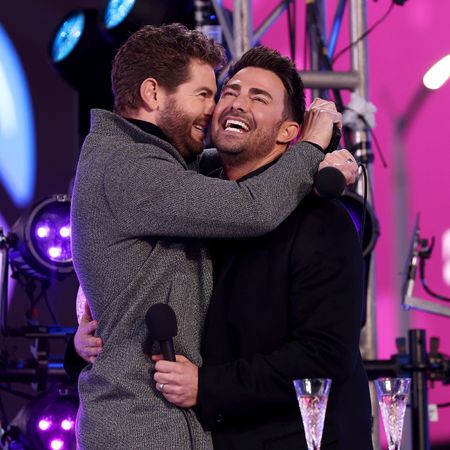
[200, 128]
[236, 126]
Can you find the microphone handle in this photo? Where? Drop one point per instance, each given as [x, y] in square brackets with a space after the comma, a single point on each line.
[330, 182]
[167, 350]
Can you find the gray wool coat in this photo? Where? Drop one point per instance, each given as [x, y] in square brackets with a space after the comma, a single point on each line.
[140, 219]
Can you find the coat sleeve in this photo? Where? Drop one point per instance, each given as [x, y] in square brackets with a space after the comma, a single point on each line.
[153, 195]
[325, 318]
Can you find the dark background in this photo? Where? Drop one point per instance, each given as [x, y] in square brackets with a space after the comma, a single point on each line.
[30, 25]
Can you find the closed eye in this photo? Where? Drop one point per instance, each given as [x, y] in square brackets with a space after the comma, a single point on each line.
[261, 100]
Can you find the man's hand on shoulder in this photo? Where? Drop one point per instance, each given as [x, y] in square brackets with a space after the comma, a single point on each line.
[86, 344]
[177, 381]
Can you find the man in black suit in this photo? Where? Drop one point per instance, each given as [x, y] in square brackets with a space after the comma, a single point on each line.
[286, 305]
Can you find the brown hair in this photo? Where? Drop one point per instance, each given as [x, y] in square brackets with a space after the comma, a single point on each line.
[284, 68]
[163, 53]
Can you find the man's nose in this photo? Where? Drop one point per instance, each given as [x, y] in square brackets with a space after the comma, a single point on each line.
[240, 103]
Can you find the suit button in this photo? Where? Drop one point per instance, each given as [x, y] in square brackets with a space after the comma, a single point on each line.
[219, 418]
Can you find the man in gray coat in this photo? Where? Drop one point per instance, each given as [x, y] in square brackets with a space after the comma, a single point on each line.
[141, 217]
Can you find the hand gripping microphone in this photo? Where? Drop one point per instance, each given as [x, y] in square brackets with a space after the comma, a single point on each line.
[162, 327]
[330, 182]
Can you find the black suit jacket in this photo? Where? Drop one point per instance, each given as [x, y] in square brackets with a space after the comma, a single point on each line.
[286, 306]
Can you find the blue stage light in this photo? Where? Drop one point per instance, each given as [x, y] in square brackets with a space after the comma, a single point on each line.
[68, 36]
[116, 11]
[17, 127]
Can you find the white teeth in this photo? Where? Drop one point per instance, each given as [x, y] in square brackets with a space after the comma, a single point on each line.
[198, 127]
[235, 130]
[237, 123]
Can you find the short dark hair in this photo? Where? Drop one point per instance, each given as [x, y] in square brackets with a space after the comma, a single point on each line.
[284, 68]
[163, 53]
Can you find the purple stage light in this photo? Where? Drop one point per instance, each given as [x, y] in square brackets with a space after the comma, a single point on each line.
[56, 444]
[56, 243]
[67, 424]
[44, 424]
[42, 232]
[42, 239]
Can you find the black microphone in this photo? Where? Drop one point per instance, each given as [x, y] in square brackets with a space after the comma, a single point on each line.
[162, 327]
[329, 181]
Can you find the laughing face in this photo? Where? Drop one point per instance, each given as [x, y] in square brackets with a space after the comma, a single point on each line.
[186, 113]
[249, 114]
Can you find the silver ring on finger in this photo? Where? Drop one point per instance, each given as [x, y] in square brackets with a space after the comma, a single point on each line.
[349, 161]
[161, 387]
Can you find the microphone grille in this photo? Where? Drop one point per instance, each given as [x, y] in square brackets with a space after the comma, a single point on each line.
[161, 322]
[329, 182]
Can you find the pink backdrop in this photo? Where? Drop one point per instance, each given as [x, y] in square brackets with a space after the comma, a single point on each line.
[401, 49]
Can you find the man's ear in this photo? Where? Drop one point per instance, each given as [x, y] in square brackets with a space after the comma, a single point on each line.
[289, 130]
[150, 92]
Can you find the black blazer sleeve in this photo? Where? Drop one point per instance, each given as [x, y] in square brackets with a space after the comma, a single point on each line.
[324, 306]
[73, 363]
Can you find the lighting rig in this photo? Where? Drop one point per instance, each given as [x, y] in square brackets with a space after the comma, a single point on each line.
[413, 360]
[37, 252]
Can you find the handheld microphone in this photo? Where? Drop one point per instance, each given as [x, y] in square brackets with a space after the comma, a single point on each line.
[330, 182]
[162, 327]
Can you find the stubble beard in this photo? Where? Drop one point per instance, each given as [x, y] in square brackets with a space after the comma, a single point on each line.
[177, 126]
[256, 147]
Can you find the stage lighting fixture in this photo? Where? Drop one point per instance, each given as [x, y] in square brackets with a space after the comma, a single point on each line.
[68, 35]
[123, 17]
[116, 11]
[80, 51]
[40, 240]
[48, 421]
[354, 204]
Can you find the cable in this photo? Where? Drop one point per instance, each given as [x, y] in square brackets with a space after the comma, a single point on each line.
[377, 145]
[365, 34]
[364, 214]
[305, 45]
[375, 140]
[50, 309]
[425, 284]
[292, 25]
[443, 405]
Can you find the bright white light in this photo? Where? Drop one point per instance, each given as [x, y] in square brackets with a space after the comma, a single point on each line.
[42, 232]
[446, 273]
[57, 444]
[438, 74]
[64, 232]
[44, 424]
[446, 257]
[54, 252]
[67, 425]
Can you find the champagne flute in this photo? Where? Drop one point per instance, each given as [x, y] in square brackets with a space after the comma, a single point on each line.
[392, 395]
[312, 396]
